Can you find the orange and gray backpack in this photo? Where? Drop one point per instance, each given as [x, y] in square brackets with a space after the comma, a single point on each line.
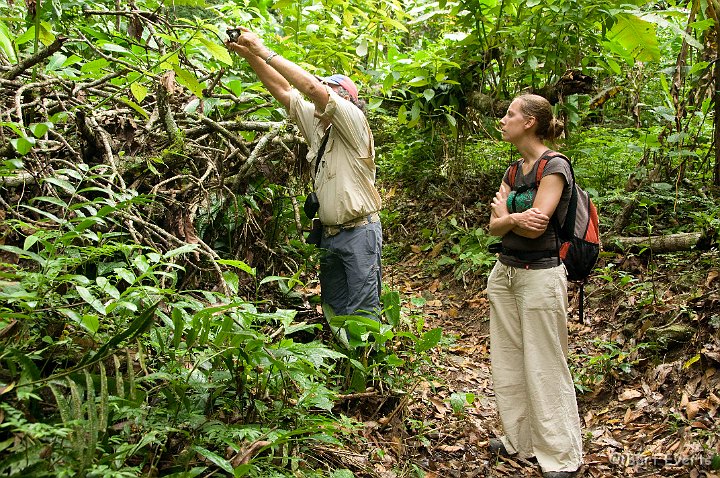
[579, 235]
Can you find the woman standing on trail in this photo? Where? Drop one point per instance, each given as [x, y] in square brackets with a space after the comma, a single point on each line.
[527, 290]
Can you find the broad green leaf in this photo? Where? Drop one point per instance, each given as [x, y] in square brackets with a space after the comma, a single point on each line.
[189, 3]
[125, 274]
[139, 325]
[675, 28]
[429, 340]
[40, 129]
[94, 66]
[232, 280]
[698, 67]
[532, 62]
[418, 81]
[636, 36]
[391, 304]
[375, 103]
[429, 94]
[88, 297]
[281, 4]
[214, 458]
[136, 107]
[62, 184]
[105, 286]
[394, 361]
[56, 61]
[357, 321]
[184, 249]
[13, 126]
[139, 91]
[219, 52]
[6, 43]
[614, 66]
[362, 48]
[415, 111]
[244, 267]
[402, 114]
[395, 24]
[23, 145]
[72, 60]
[90, 322]
[30, 241]
[188, 80]
[113, 47]
[388, 83]
[24, 253]
[50, 200]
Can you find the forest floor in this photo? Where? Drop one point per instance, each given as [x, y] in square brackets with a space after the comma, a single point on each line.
[647, 409]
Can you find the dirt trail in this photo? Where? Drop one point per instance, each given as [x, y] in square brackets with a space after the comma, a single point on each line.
[658, 423]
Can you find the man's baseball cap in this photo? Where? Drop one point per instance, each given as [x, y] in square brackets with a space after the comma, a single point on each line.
[344, 81]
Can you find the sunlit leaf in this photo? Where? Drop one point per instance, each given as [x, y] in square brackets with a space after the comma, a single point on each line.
[636, 36]
[219, 52]
[243, 267]
[188, 80]
[23, 145]
[88, 297]
[139, 91]
[40, 129]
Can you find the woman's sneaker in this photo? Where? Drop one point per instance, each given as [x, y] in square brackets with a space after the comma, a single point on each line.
[497, 447]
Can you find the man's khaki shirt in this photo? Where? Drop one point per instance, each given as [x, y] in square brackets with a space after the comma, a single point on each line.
[345, 179]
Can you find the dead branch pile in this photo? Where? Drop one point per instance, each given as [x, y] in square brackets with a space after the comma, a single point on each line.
[190, 163]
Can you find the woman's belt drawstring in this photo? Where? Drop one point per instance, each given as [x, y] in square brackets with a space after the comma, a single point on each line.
[510, 273]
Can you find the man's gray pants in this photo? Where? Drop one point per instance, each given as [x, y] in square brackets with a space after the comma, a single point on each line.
[350, 270]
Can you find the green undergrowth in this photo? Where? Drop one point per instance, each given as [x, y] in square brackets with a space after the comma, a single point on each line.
[110, 367]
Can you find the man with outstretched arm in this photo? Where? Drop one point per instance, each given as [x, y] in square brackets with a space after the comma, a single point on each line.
[344, 179]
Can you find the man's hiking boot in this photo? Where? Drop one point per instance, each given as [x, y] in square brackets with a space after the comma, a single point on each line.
[558, 474]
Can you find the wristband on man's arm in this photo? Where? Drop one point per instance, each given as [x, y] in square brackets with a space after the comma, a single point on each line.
[270, 57]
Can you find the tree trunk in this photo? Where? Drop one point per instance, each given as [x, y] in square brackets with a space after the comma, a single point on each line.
[716, 121]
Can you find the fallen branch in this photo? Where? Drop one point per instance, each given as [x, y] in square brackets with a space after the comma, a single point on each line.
[33, 60]
[657, 244]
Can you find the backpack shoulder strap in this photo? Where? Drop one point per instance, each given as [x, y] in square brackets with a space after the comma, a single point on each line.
[541, 167]
[565, 231]
[321, 149]
[512, 173]
[550, 154]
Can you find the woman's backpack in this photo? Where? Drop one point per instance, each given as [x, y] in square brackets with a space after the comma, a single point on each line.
[579, 236]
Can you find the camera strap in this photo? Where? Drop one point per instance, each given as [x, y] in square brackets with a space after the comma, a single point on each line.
[321, 149]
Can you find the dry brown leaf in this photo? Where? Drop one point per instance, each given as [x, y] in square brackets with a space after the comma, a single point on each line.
[698, 424]
[436, 250]
[453, 313]
[712, 275]
[629, 394]
[632, 415]
[440, 406]
[684, 400]
[415, 249]
[450, 448]
[167, 80]
[693, 408]
[244, 456]
[476, 303]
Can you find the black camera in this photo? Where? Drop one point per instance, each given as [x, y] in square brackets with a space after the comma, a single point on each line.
[312, 205]
[233, 34]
